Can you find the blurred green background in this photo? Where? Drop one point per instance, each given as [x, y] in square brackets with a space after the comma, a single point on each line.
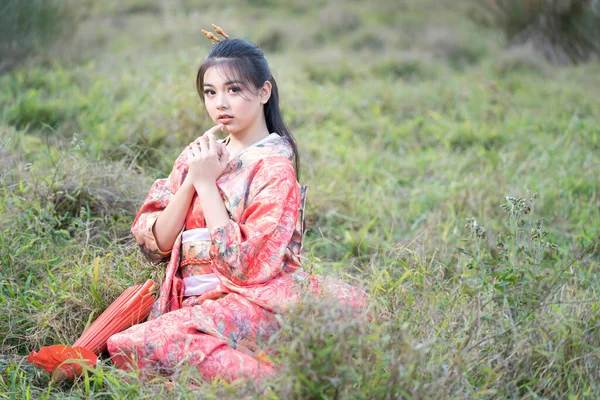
[414, 119]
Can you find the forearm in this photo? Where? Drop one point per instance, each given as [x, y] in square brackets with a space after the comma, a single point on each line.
[171, 220]
[215, 212]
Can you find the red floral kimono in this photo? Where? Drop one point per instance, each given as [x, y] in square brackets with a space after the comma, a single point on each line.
[256, 257]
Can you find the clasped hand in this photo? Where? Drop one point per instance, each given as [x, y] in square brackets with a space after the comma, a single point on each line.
[207, 158]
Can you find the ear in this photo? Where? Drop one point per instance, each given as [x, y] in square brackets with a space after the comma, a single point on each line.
[265, 92]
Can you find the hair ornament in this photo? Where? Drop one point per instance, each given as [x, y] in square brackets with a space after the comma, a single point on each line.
[220, 31]
[211, 36]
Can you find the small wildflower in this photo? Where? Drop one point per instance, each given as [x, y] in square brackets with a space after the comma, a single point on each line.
[500, 241]
[475, 229]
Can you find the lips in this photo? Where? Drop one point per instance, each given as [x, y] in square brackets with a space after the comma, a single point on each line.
[224, 118]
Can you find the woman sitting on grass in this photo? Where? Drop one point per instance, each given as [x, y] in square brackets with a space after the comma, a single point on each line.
[229, 220]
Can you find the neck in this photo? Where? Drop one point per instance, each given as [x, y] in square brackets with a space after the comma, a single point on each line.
[238, 141]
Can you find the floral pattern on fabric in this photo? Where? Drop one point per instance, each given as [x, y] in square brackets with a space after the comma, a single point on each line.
[256, 256]
[227, 332]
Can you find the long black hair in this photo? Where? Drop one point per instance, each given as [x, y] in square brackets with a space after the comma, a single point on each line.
[247, 63]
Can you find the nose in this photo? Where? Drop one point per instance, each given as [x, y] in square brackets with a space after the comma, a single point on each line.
[222, 103]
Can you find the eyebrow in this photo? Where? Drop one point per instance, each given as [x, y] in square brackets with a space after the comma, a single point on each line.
[226, 83]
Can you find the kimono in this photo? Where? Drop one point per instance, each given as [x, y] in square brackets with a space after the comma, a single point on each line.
[255, 256]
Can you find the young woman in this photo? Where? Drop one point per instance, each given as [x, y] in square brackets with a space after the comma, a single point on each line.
[229, 220]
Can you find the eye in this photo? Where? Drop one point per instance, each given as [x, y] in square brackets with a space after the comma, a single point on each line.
[235, 89]
[209, 92]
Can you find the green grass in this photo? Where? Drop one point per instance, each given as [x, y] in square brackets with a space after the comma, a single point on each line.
[409, 121]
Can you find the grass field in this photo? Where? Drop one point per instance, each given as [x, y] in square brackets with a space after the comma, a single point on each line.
[454, 179]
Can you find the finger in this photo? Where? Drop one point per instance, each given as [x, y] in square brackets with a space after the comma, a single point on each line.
[196, 149]
[221, 147]
[204, 144]
[201, 139]
[212, 142]
[189, 153]
[224, 157]
[214, 129]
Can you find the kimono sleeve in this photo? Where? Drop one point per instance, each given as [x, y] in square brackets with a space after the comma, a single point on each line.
[252, 250]
[158, 198]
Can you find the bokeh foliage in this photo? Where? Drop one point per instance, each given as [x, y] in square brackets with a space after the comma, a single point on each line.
[29, 27]
[563, 31]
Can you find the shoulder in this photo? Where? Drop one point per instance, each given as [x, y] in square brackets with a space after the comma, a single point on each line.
[273, 174]
[273, 148]
[274, 169]
[276, 166]
[279, 146]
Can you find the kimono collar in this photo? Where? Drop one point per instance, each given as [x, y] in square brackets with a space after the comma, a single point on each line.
[271, 146]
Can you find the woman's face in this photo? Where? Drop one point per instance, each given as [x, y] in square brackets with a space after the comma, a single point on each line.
[237, 107]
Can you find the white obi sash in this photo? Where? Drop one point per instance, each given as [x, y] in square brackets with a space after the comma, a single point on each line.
[198, 284]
